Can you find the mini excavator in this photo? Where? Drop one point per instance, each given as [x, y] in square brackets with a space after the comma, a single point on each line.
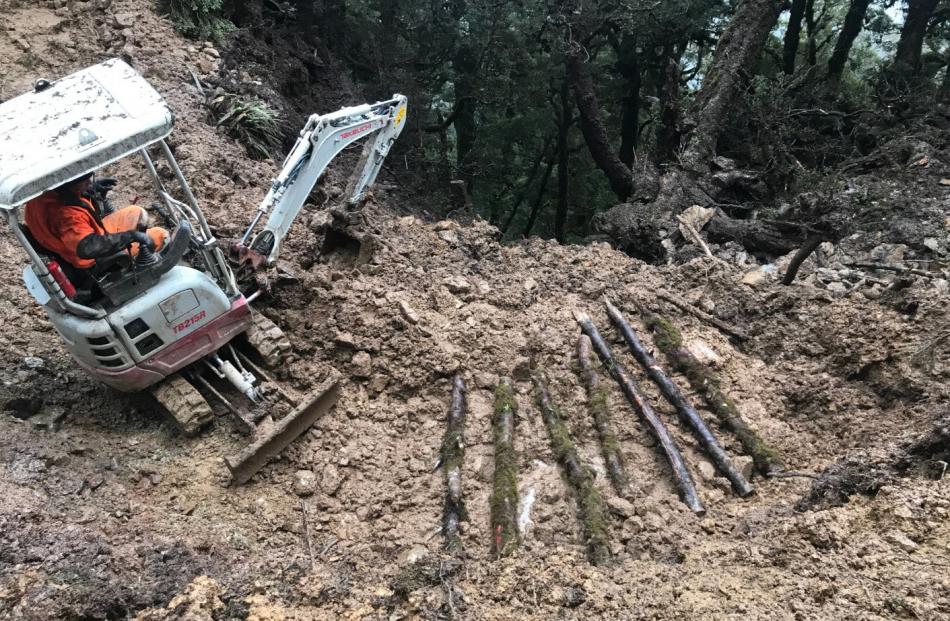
[175, 322]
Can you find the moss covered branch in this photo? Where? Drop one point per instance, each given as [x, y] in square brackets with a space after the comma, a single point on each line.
[590, 504]
[451, 458]
[598, 407]
[704, 381]
[504, 496]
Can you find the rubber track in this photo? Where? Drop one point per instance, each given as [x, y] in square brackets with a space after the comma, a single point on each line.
[184, 403]
[268, 340]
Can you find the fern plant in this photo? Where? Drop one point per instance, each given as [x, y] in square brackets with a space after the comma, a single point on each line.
[198, 19]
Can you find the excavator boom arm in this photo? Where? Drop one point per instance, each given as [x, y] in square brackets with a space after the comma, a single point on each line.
[321, 140]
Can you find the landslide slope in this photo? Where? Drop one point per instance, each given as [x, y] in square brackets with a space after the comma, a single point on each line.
[112, 514]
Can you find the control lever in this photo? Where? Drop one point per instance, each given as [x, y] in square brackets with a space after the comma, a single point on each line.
[146, 257]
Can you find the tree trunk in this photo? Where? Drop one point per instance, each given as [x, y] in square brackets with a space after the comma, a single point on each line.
[793, 35]
[539, 200]
[811, 33]
[668, 133]
[907, 58]
[465, 64]
[563, 159]
[853, 22]
[592, 126]
[738, 51]
[388, 36]
[465, 123]
[527, 186]
[628, 64]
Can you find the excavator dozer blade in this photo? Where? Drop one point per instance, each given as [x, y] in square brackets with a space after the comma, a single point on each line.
[273, 437]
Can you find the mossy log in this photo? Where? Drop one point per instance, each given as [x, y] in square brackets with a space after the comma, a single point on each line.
[504, 496]
[451, 458]
[599, 410]
[686, 411]
[646, 413]
[590, 505]
[704, 381]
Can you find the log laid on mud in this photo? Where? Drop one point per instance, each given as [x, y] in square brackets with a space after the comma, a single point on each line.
[504, 496]
[686, 411]
[590, 506]
[600, 412]
[452, 455]
[646, 413]
[704, 381]
[719, 324]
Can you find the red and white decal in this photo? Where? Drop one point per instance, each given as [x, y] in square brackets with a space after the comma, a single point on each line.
[365, 127]
[191, 321]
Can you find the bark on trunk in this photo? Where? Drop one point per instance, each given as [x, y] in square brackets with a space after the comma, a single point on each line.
[592, 125]
[563, 161]
[907, 58]
[793, 35]
[668, 133]
[754, 235]
[853, 23]
[628, 64]
[738, 51]
[811, 33]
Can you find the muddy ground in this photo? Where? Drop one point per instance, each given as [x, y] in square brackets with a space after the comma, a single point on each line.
[108, 513]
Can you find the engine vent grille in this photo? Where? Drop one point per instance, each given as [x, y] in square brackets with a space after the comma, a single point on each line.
[106, 352]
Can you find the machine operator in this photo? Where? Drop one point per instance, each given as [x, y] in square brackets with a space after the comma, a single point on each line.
[79, 223]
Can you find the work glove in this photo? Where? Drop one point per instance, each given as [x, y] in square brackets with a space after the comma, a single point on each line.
[97, 193]
[102, 186]
[143, 240]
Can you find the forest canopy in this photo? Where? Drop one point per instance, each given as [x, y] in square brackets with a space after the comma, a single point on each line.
[552, 113]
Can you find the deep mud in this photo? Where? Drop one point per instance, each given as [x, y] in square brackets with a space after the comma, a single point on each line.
[107, 512]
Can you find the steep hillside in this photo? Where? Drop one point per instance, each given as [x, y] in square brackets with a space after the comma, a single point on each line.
[109, 513]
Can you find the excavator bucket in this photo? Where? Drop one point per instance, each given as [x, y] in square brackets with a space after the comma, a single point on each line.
[272, 437]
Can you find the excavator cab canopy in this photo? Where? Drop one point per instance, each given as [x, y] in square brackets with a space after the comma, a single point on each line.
[76, 125]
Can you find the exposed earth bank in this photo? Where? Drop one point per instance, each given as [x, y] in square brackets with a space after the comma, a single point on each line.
[108, 513]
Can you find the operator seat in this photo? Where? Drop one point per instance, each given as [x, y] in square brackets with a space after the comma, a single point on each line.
[85, 281]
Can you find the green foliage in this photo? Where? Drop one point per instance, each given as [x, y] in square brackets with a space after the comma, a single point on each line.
[198, 19]
[250, 121]
[503, 66]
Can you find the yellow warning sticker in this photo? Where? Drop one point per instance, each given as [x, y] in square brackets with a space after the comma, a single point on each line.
[400, 115]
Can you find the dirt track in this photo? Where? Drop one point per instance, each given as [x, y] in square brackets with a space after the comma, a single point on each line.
[114, 515]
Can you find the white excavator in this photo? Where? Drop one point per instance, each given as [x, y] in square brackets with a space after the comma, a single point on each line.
[176, 321]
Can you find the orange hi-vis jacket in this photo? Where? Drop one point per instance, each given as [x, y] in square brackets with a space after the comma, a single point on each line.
[59, 227]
